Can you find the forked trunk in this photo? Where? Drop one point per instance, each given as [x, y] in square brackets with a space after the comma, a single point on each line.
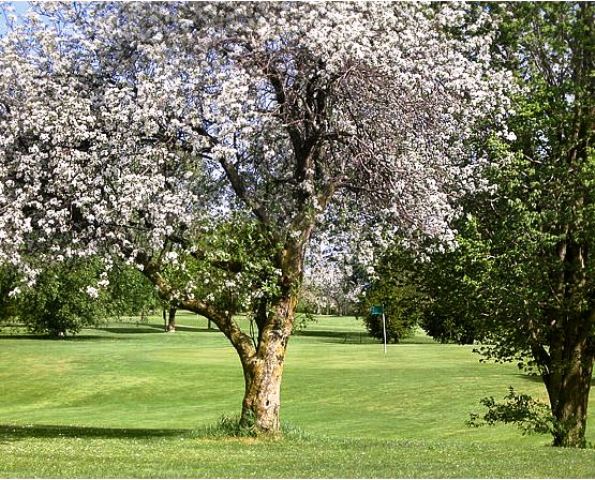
[568, 389]
[263, 372]
[262, 396]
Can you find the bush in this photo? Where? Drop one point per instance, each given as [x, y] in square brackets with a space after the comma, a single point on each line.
[444, 326]
[399, 310]
[530, 415]
[60, 301]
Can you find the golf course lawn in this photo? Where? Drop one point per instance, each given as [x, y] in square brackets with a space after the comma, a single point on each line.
[127, 400]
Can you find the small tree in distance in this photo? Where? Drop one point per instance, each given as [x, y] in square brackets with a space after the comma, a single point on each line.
[394, 288]
[63, 300]
[129, 293]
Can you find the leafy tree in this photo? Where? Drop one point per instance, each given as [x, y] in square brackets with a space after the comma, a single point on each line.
[57, 302]
[129, 293]
[452, 310]
[395, 288]
[205, 143]
[542, 248]
[62, 300]
[525, 269]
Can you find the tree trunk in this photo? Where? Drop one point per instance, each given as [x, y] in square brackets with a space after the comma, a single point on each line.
[262, 395]
[169, 319]
[263, 372]
[568, 388]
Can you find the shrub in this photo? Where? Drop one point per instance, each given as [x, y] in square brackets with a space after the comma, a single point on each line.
[400, 310]
[530, 415]
[60, 302]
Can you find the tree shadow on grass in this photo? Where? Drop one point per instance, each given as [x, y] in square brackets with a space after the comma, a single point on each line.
[180, 328]
[357, 338]
[14, 432]
[132, 329]
[68, 338]
[117, 331]
[329, 336]
[152, 328]
[537, 378]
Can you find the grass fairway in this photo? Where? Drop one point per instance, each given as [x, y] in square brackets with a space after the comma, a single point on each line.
[131, 401]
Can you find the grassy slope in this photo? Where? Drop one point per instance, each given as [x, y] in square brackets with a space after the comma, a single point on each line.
[131, 401]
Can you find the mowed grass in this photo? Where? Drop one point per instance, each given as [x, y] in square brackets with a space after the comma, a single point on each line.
[127, 400]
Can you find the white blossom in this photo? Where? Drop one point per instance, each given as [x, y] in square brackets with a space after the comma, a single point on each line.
[125, 133]
[92, 292]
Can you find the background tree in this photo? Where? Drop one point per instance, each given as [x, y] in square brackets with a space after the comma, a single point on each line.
[438, 290]
[73, 294]
[525, 269]
[453, 308]
[129, 293]
[8, 282]
[205, 143]
[329, 286]
[62, 300]
[395, 288]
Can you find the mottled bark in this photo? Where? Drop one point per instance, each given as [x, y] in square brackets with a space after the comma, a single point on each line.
[262, 397]
[263, 372]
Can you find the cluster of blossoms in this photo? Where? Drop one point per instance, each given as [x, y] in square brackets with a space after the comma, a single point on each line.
[127, 126]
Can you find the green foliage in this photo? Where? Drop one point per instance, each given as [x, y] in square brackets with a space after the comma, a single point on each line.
[302, 320]
[59, 302]
[8, 281]
[230, 263]
[437, 293]
[395, 289]
[129, 293]
[524, 260]
[307, 301]
[453, 306]
[530, 236]
[530, 415]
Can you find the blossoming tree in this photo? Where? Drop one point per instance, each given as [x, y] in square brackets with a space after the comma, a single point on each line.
[204, 143]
